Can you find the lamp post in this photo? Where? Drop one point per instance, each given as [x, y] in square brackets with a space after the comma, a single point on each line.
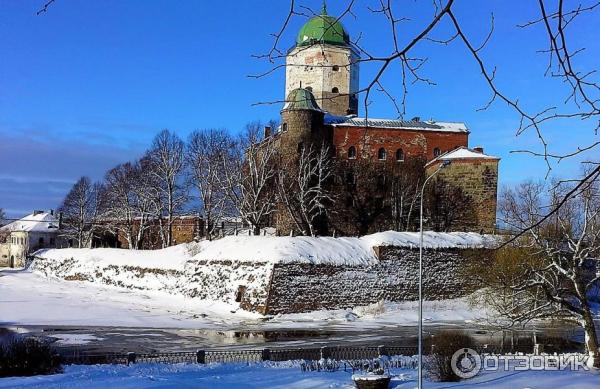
[444, 164]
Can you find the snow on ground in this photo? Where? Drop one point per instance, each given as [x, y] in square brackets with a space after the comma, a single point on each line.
[171, 258]
[318, 250]
[281, 375]
[328, 250]
[27, 298]
[74, 339]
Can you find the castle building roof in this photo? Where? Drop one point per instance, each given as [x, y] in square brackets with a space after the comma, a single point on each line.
[462, 153]
[301, 98]
[415, 124]
[323, 28]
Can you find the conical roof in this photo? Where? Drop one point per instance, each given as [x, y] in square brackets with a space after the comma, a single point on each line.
[301, 98]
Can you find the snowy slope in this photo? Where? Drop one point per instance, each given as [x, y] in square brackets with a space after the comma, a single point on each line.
[170, 258]
[328, 250]
[301, 249]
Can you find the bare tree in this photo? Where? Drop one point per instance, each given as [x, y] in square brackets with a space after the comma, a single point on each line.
[304, 188]
[166, 163]
[579, 105]
[205, 152]
[249, 174]
[407, 178]
[551, 271]
[119, 202]
[79, 212]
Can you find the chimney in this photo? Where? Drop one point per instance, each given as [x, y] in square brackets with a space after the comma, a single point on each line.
[415, 119]
[267, 131]
[52, 212]
[478, 149]
[37, 212]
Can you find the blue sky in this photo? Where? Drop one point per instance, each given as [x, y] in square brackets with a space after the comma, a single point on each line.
[89, 83]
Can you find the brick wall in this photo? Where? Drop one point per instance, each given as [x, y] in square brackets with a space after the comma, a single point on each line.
[413, 143]
[304, 287]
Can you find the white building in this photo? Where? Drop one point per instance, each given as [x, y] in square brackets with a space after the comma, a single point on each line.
[24, 236]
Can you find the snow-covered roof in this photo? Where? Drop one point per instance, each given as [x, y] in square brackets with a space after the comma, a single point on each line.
[418, 125]
[34, 222]
[463, 153]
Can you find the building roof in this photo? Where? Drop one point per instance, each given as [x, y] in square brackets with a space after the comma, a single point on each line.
[34, 222]
[462, 153]
[301, 98]
[354, 121]
[323, 29]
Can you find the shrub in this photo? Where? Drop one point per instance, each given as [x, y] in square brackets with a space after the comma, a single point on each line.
[444, 345]
[20, 356]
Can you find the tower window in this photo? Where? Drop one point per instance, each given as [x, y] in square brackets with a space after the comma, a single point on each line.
[351, 152]
[399, 155]
[335, 90]
[381, 154]
[437, 152]
[335, 68]
[284, 127]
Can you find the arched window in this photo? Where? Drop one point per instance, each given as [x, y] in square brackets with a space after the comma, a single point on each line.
[335, 68]
[351, 152]
[381, 154]
[309, 88]
[335, 90]
[437, 152]
[399, 155]
[284, 127]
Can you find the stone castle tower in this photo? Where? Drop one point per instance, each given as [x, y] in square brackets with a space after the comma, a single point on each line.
[324, 62]
[321, 107]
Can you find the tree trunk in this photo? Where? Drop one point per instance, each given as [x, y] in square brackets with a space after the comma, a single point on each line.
[591, 338]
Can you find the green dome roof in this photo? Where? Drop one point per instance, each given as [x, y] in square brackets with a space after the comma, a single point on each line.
[301, 98]
[322, 29]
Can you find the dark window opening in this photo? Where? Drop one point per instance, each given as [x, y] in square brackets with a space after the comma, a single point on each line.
[349, 201]
[381, 154]
[41, 241]
[437, 152]
[300, 147]
[351, 152]
[284, 127]
[335, 68]
[335, 90]
[399, 155]
[350, 179]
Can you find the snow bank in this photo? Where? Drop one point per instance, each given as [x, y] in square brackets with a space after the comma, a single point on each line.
[172, 258]
[328, 250]
[301, 249]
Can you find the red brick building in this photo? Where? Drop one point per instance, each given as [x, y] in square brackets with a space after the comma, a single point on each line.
[322, 82]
